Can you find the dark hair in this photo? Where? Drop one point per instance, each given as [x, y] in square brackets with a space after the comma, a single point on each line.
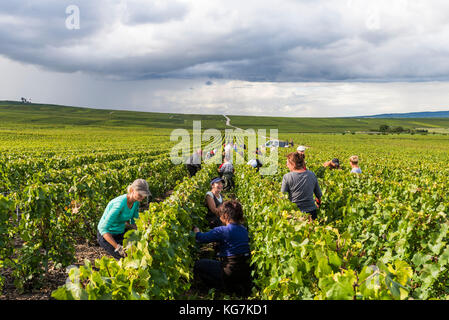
[336, 162]
[297, 159]
[232, 211]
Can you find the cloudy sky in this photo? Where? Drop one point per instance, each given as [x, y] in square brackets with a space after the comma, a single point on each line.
[289, 58]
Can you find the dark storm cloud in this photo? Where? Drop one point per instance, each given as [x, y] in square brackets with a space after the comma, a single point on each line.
[253, 40]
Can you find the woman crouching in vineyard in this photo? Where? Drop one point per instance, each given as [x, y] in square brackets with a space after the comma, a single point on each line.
[111, 228]
[232, 272]
[301, 184]
[213, 201]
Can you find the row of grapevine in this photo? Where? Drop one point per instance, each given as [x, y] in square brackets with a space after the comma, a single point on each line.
[54, 215]
[15, 174]
[294, 258]
[380, 235]
[159, 253]
[6, 247]
[394, 220]
[394, 211]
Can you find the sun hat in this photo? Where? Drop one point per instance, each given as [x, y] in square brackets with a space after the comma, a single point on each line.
[141, 186]
[301, 149]
[215, 180]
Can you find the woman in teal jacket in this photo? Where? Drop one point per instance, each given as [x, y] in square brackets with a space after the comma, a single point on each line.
[119, 214]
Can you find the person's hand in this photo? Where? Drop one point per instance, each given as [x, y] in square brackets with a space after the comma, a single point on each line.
[130, 226]
[310, 218]
[318, 202]
[120, 250]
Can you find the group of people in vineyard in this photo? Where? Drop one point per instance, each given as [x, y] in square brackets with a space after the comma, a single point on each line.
[231, 272]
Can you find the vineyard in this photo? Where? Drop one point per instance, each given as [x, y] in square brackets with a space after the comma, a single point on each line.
[379, 235]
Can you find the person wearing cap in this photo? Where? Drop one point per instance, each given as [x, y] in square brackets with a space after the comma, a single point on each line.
[301, 185]
[354, 162]
[232, 272]
[228, 150]
[214, 201]
[302, 150]
[119, 215]
[332, 164]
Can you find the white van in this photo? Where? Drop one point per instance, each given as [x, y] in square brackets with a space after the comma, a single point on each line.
[276, 144]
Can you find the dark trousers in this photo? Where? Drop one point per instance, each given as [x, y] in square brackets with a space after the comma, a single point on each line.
[231, 274]
[210, 272]
[193, 169]
[314, 214]
[229, 181]
[107, 246]
[213, 220]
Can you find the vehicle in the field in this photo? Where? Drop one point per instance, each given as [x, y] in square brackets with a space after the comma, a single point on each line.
[276, 144]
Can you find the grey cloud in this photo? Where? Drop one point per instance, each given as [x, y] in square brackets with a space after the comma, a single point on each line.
[42, 23]
[253, 41]
[154, 12]
[230, 97]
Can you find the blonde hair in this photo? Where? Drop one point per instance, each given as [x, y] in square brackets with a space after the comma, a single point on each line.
[354, 159]
[141, 186]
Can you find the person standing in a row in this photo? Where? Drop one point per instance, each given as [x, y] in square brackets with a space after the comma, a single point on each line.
[226, 171]
[302, 150]
[193, 163]
[354, 162]
[301, 185]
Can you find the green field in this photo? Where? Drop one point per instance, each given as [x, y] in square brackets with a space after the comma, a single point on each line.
[15, 115]
[332, 125]
[55, 116]
[381, 235]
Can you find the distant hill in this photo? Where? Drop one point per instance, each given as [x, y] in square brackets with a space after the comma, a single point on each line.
[14, 114]
[429, 114]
